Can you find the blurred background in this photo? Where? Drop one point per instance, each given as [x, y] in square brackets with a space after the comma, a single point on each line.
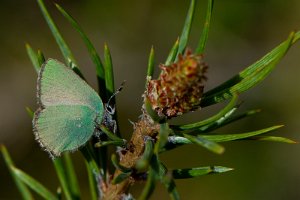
[241, 32]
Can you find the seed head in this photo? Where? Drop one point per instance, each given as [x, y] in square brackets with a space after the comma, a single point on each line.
[179, 87]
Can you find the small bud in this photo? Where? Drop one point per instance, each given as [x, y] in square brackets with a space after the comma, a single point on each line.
[179, 87]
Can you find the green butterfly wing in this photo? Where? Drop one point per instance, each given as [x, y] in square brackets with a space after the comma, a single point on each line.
[69, 109]
[64, 127]
[59, 85]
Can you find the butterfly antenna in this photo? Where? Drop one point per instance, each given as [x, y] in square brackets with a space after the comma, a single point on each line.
[113, 95]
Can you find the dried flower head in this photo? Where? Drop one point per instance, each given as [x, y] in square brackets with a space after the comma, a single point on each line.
[179, 87]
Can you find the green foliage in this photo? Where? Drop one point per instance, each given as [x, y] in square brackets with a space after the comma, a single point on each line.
[183, 40]
[26, 194]
[64, 48]
[250, 76]
[91, 49]
[206, 143]
[33, 58]
[33, 184]
[143, 162]
[150, 69]
[204, 35]
[117, 165]
[223, 113]
[172, 55]
[149, 166]
[67, 177]
[199, 171]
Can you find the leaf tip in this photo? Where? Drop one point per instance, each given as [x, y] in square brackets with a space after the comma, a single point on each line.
[294, 142]
[57, 5]
[279, 126]
[220, 150]
[27, 45]
[290, 141]
[152, 49]
[105, 46]
[221, 169]
[29, 111]
[2, 147]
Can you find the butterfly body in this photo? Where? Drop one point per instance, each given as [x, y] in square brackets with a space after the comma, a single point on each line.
[69, 112]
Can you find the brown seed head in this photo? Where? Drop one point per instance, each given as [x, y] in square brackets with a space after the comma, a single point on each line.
[179, 87]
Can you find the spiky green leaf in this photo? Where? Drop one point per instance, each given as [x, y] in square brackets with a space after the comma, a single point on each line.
[227, 119]
[249, 77]
[29, 112]
[92, 182]
[225, 111]
[93, 170]
[168, 182]
[186, 28]
[25, 193]
[64, 48]
[150, 69]
[199, 171]
[71, 175]
[107, 143]
[121, 177]
[208, 144]
[118, 166]
[164, 132]
[110, 135]
[172, 55]
[33, 57]
[239, 136]
[91, 49]
[143, 162]
[176, 141]
[203, 38]
[61, 173]
[109, 73]
[41, 57]
[273, 139]
[34, 184]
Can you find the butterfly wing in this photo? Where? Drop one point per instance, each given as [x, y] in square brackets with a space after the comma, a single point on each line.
[69, 109]
[64, 127]
[59, 85]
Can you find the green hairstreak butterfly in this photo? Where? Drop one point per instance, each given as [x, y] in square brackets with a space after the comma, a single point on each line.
[69, 112]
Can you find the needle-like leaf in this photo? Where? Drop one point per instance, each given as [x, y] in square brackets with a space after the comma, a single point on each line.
[186, 29]
[33, 58]
[91, 49]
[199, 171]
[250, 76]
[64, 48]
[206, 143]
[172, 55]
[34, 184]
[150, 68]
[212, 119]
[21, 186]
[204, 35]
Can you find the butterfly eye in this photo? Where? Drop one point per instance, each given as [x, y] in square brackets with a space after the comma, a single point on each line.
[110, 109]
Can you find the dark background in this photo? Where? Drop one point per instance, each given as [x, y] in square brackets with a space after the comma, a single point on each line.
[242, 31]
